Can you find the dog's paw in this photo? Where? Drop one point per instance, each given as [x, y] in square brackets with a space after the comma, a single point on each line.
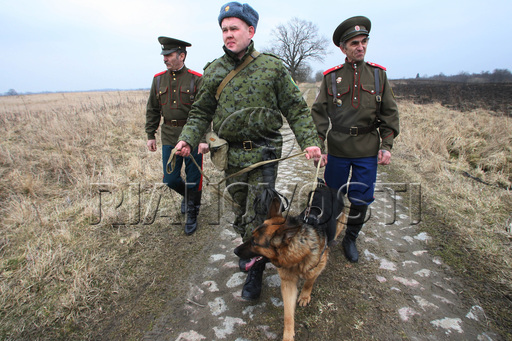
[304, 300]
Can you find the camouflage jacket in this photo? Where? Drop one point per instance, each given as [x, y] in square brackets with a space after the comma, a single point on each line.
[250, 108]
[171, 96]
[347, 99]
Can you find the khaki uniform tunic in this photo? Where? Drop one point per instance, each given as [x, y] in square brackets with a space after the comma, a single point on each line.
[347, 98]
[172, 94]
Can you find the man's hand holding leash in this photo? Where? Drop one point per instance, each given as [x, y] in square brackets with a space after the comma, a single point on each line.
[183, 149]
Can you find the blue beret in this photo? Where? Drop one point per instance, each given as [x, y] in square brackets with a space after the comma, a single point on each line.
[243, 12]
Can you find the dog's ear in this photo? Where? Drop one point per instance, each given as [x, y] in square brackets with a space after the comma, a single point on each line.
[276, 208]
[289, 233]
[284, 235]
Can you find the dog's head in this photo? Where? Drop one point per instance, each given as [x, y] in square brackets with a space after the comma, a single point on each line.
[269, 238]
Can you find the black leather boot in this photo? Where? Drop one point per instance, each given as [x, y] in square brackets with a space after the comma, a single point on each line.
[252, 286]
[192, 208]
[355, 222]
[183, 206]
[180, 189]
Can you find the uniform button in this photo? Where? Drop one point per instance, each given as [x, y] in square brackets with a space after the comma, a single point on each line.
[354, 98]
[355, 86]
[174, 90]
[174, 102]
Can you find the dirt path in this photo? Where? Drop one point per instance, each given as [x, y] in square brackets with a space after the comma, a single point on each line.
[397, 291]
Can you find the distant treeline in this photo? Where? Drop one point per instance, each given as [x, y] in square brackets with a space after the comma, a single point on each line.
[497, 76]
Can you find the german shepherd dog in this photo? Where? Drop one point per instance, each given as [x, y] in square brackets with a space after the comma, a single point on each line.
[297, 246]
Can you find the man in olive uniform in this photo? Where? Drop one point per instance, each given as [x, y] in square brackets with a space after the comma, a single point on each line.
[172, 94]
[248, 114]
[356, 98]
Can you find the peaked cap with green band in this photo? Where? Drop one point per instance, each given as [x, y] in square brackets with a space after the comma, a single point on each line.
[350, 28]
[170, 45]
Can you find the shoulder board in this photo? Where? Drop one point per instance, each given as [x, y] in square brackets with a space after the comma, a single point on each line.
[271, 54]
[195, 73]
[376, 65]
[333, 69]
[160, 73]
[208, 64]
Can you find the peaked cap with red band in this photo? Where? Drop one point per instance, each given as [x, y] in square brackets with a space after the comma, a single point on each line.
[350, 28]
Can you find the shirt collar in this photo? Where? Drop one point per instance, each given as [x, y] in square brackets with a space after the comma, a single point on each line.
[233, 56]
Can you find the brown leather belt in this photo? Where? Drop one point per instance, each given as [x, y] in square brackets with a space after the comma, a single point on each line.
[175, 123]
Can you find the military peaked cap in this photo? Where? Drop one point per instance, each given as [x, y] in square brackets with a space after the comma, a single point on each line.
[350, 28]
[170, 45]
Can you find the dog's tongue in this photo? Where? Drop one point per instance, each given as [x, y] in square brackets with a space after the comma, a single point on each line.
[251, 263]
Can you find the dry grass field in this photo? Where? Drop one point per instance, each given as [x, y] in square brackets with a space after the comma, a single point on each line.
[62, 276]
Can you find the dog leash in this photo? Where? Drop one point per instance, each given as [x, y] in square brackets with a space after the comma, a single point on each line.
[308, 210]
[243, 171]
[315, 184]
[259, 164]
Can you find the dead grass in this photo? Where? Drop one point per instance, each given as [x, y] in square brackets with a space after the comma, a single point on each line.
[60, 275]
[463, 161]
[55, 271]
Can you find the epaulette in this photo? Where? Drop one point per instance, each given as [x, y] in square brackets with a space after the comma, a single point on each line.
[160, 73]
[333, 69]
[376, 65]
[208, 64]
[195, 73]
[271, 54]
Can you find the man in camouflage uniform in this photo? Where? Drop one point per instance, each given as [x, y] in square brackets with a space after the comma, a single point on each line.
[356, 98]
[171, 96]
[248, 114]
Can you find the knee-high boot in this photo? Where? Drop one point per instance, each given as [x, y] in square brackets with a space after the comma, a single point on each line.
[252, 286]
[180, 189]
[355, 222]
[192, 208]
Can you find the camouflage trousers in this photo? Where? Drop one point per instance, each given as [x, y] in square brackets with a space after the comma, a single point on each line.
[245, 190]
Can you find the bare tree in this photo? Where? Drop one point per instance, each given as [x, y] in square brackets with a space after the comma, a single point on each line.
[296, 43]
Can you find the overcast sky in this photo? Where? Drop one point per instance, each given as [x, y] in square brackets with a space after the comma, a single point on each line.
[74, 45]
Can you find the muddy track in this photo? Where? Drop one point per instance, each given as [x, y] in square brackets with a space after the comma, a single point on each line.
[398, 290]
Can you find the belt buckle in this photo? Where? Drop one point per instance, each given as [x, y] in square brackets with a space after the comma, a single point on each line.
[174, 123]
[247, 145]
[352, 133]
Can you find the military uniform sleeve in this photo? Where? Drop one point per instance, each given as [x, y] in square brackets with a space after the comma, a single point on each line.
[390, 124]
[319, 112]
[200, 115]
[294, 108]
[153, 112]
[199, 83]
